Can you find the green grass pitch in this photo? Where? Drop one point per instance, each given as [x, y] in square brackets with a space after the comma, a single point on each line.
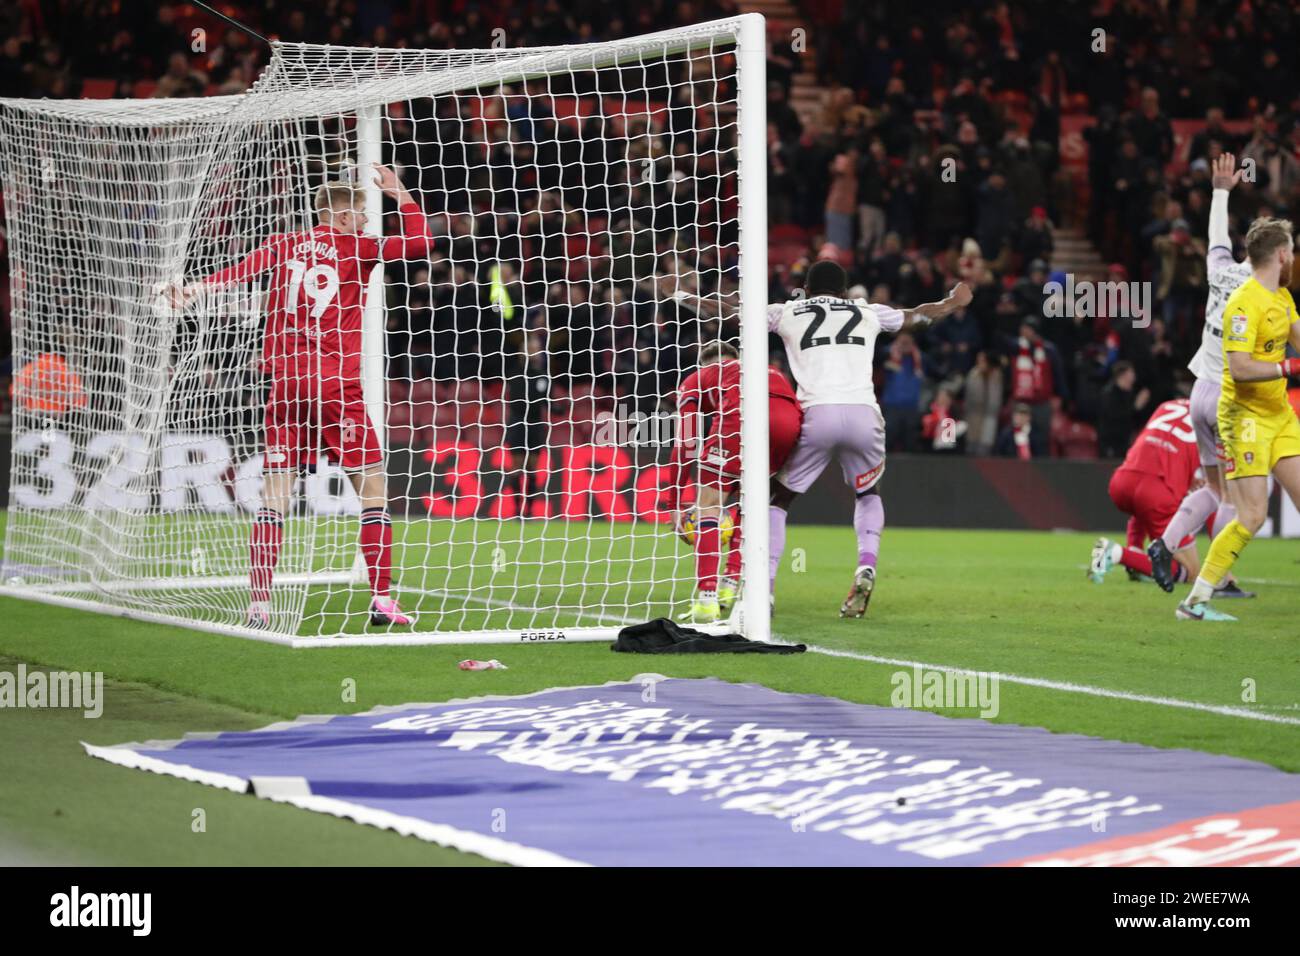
[1015, 603]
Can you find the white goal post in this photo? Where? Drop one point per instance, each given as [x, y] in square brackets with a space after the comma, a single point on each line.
[586, 219]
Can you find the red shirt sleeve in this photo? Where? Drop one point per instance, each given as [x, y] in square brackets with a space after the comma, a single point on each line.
[688, 430]
[414, 242]
[261, 259]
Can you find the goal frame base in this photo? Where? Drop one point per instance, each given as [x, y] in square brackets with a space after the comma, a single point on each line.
[520, 636]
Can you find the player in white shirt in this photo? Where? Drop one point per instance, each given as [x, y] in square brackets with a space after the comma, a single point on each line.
[830, 341]
[1224, 274]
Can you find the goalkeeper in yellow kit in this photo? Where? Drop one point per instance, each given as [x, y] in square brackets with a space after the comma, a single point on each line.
[1258, 429]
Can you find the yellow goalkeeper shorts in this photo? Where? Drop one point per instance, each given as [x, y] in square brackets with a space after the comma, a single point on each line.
[1253, 445]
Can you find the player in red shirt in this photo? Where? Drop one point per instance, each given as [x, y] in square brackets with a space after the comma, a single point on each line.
[713, 392]
[1159, 469]
[312, 353]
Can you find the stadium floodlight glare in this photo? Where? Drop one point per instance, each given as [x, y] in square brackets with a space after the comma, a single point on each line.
[571, 192]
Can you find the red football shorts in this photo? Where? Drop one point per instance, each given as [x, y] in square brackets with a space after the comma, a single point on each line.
[307, 411]
[1147, 499]
[785, 419]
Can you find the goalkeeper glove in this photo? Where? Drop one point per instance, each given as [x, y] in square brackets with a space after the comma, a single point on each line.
[1289, 367]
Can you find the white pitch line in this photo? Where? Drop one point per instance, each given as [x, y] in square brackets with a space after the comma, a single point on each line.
[1221, 710]
[1066, 687]
[1272, 582]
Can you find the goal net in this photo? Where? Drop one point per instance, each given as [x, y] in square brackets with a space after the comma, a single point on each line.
[566, 228]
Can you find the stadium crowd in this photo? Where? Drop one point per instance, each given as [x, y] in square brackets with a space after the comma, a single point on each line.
[935, 155]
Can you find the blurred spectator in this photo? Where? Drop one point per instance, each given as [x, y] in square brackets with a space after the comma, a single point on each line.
[47, 387]
[983, 401]
[781, 114]
[1151, 130]
[940, 426]
[1035, 242]
[181, 79]
[1215, 132]
[51, 74]
[1019, 439]
[996, 214]
[1037, 376]
[1182, 273]
[1122, 410]
[15, 70]
[1029, 291]
[872, 180]
[1278, 169]
[954, 344]
[842, 201]
[901, 398]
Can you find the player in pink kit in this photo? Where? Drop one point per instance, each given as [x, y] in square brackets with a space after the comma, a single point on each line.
[312, 352]
[830, 342]
[1223, 275]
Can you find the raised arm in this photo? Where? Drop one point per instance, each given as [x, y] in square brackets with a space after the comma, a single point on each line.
[254, 264]
[415, 239]
[261, 259]
[958, 298]
[1223, 179]
[722, 306]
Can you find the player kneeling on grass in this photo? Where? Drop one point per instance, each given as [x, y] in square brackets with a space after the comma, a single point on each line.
[1257, 426]
[312, 353]
[713, 391]
[1157, 472]
[830, 341]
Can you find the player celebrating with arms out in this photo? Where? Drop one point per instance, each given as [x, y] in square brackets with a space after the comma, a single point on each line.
[1258, 428]
[830, 341]
[312, 353]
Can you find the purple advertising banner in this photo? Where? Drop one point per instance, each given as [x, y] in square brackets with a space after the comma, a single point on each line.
[668, 772]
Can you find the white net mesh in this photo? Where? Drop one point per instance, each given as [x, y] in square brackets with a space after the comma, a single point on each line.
[212, 384]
